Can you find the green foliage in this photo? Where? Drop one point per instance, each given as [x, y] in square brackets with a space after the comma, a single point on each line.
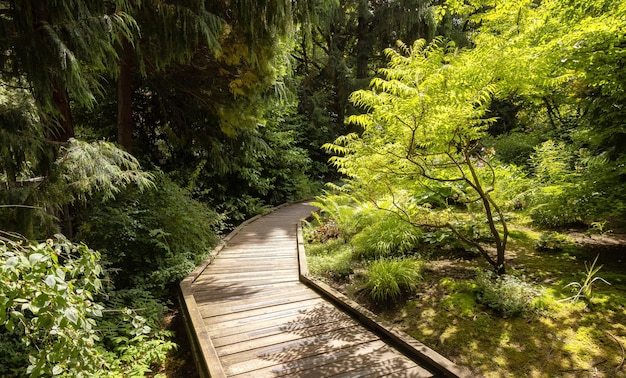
[420, 137]
[132, 332]
[387, 280]
[48, 304]
[551, 242]
[80, 172]
[387, 236]
[573, 187]
[584, 289]
[98, 167]
[153, 238]
[54, 323]
[506, 294]
[323, 232]
[76, 41]
[349, 214]
[516, 147]
[332, 259]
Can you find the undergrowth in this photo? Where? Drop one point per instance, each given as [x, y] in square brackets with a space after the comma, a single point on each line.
[515, 325]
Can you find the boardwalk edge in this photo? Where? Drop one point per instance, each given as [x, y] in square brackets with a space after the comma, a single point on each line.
[414, 349]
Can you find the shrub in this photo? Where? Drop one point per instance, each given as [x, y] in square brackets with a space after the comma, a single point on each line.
[154, 238]
[551, 242]
[516, 147]
[506, 294]
[323, 232]
[52, 324]
[47, 303]
[387, 280]
[132, 332]
[349, 214]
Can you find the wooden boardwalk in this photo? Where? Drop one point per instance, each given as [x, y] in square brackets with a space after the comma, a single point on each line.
[252, 317]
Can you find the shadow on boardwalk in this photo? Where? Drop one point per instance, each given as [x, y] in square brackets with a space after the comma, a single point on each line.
[252, 317]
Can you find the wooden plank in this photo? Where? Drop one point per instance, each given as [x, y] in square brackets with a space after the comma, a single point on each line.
[311, 364]
[253, 294]
[284, 352]
[215, 295]
[247, 305]
[386, 362]
[253, 280]
[282, 325]
[289, 319]
[340, 329]
[227, 327]
[214, 321]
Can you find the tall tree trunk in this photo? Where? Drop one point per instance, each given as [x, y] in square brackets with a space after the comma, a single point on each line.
[125, 97]
[60, 122]
[64, 128]
[363, 43]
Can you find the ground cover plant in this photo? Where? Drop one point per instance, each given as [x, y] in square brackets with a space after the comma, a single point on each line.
[528, 323]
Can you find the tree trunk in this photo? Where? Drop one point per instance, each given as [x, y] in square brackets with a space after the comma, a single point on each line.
[363, 43]
[64, 129]
[125, 97]
[60, 123]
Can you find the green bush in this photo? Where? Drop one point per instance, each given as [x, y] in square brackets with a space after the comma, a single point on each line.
[53, 324]
[323, 232]
[152, 239]
[132, 332]
[551, 242]
[516, 147]
[506, 294]
[387, 280]
[390, 236]
[47, 303]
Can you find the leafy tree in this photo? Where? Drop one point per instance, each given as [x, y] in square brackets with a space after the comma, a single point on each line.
[421, 140]
[340, 50]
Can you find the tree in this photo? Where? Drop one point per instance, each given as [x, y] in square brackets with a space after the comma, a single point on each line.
[163, 42]
[177, 33]
[74, 40]
[340, 50]
[420, 145]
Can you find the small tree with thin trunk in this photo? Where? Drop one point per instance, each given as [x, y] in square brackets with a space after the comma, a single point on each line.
[420, 146]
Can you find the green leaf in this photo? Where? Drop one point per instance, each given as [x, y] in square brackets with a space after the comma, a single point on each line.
[35, 258]
[71, 314]
[12, 262]
[50, 280]
[60, 273]
[57, 370]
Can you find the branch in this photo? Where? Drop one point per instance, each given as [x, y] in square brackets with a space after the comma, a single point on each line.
[407, 218]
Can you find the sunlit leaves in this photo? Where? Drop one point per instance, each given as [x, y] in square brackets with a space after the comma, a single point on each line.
[425, 118]
[47, 302]
[99, 167]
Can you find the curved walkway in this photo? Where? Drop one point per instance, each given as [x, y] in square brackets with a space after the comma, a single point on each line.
[252, 317]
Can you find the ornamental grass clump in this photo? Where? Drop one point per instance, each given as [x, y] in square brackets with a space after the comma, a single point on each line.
[506, 294]
[387, 280]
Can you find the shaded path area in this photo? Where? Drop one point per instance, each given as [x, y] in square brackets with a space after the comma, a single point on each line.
[251, 316]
